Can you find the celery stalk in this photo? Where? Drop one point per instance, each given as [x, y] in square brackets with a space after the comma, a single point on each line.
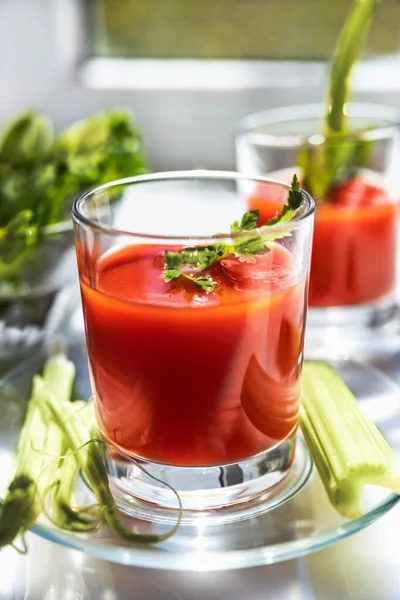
[347, 52]
[91, 460]
[39, 442]
[323, 166]
[65, 513]
[347, 448]
[21, 506]
[59, 376]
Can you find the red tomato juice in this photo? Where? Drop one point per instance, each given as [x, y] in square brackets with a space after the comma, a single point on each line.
[191, 378]
[354, 246]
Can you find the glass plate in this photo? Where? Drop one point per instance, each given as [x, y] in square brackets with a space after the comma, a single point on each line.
[303, 523]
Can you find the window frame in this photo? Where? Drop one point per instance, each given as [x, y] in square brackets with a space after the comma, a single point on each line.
[371, 75]
[187, 109]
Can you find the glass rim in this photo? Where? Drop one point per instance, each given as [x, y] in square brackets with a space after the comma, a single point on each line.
[79, 218]
[314, 111]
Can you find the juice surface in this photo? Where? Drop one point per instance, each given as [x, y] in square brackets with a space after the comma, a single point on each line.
[354, 245]
[190, 378]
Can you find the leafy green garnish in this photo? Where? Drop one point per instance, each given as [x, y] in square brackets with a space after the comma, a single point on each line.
[206, 283]
[249, 247]
[245, 248]
[41, 174]
[204, 256]
[174, 261]
[249, 221]
[294, 201]
[336, 158]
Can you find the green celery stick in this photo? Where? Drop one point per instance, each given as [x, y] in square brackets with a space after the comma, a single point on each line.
[347, 448]
[330, 162]
[39, 442]
[91, 459]
[59, 376]
[65, 514]
[347, 52]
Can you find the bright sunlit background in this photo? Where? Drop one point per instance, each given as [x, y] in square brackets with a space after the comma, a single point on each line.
[230, 29]
[190, 70]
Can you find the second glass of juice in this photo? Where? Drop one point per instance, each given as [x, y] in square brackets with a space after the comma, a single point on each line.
[353, 281]
[194, 323]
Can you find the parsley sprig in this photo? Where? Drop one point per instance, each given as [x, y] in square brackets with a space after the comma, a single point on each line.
[245, 248]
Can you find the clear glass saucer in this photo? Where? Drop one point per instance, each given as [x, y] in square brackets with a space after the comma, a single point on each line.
[301, 523]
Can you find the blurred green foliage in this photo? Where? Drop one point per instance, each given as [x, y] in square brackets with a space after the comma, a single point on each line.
[40, 174]
[253, 29]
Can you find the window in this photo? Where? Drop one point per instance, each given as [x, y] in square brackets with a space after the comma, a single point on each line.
[231, 29]
[85, 55]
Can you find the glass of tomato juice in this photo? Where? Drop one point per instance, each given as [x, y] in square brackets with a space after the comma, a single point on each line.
[352, 298]
[194, 322]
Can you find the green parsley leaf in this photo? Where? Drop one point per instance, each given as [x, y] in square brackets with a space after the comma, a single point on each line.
[290, 209]
[201, 257]
[192, 256]
[206, 283]
[249, 221]
[295, 196]
[287, 214]
[173, 260]
[170, 274]
[243, 246]
[205, 256]
[249, 247]
[213, 254]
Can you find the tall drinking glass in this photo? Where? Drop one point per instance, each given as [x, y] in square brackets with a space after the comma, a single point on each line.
[352, 300]
[195, 347]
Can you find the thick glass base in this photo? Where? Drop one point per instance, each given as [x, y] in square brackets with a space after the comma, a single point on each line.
[361, 332]
[229, 492]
